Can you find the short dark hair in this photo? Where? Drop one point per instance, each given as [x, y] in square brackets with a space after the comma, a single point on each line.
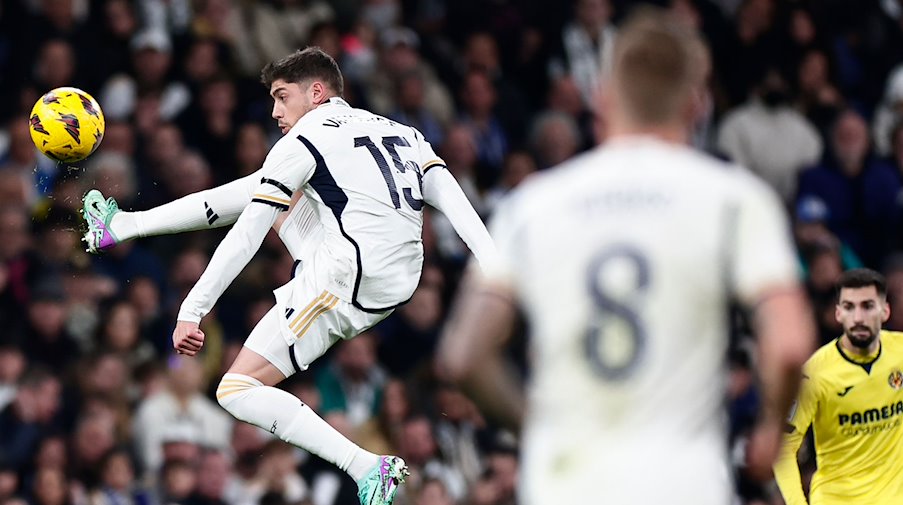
[302, 65]
[862, 278]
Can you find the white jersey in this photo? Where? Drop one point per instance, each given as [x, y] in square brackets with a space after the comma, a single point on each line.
[363, 175]
[624, 261]
[365, 180]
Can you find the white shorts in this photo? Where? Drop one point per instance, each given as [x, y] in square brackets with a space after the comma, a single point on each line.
[304, 323]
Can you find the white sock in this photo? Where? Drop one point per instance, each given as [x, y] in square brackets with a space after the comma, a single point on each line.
[282, 413]
[211, 208]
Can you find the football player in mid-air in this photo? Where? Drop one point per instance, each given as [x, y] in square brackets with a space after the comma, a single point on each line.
[624, 261]
[356, 184]
[852, 397]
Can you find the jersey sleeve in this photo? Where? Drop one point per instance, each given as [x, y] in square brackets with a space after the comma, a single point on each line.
[288, 166]
[762, 255]
[786, 468]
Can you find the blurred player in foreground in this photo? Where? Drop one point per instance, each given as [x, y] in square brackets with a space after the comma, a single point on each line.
[852, 397]
[356, 229]
[624, 261]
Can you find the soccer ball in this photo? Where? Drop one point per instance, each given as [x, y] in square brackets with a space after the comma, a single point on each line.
[66, 124]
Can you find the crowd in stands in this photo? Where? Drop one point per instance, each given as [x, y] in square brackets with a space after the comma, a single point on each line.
[95, 409]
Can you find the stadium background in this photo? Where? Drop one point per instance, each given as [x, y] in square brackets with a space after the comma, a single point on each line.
[93, 406]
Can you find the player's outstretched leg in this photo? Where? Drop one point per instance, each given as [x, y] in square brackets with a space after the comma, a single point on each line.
[98, 213]
[381, 484]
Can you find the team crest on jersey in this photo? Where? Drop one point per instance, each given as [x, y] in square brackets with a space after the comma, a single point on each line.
[895, 379]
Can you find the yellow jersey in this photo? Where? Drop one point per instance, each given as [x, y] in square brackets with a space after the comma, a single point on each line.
[855, 409]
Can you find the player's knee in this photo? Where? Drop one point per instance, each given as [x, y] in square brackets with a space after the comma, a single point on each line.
[231, 389]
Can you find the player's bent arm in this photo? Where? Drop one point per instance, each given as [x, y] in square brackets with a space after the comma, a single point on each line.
[231, 256]
[786, 335]
[471, 351]
[786, 339]
[441, 190]
[787, 470]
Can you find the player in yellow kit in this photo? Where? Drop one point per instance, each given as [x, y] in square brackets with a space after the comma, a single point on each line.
[852, 397]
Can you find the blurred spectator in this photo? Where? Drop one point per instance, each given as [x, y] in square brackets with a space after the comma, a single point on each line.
[770, 138]
[166, 15]
[554, 138]
[399, 57]
[456, 432]
[57, 240]
[810, 231]
[417, 445]
[585, 47]
[377, 434]
[117, 482]
[16, 266]
[113, 174]
[433, 492]
[276, 29]
[250, 149]
[893, 272]
[747, 51]
[859, 189]
[31, 414]
[120, 25]
[478, 97]
[94, 436]
[144, 294]
[119, 137]
[190, 173]
[182, 402]
[411, 108]
[177, 481]
[818, 98]
[9, 481]
[121, 333]
[51, 487]
[128, 261]
[214, 475]
[151, 63]
[18, 164]
[518, 166]
[203, 62]
[889, 112]
[481, 54]
[12, 366]
[49, 342]
[276, 473]
[353, 381]
[564, 96]
[211, 128]
[55, 66]
[409, 336]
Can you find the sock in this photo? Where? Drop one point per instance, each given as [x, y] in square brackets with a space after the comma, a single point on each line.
[203, 210]
[291, 420]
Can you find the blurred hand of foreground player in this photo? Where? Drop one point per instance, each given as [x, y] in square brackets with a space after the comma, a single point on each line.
[187, 338]
[762, 449]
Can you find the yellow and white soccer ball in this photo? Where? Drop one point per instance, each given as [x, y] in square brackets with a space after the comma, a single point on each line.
[66, 124]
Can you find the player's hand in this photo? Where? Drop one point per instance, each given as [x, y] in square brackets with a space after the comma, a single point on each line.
[187, 338]
[762, 450]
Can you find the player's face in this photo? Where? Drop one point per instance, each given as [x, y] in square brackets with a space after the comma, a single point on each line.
[861, 311]
[291, 101]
